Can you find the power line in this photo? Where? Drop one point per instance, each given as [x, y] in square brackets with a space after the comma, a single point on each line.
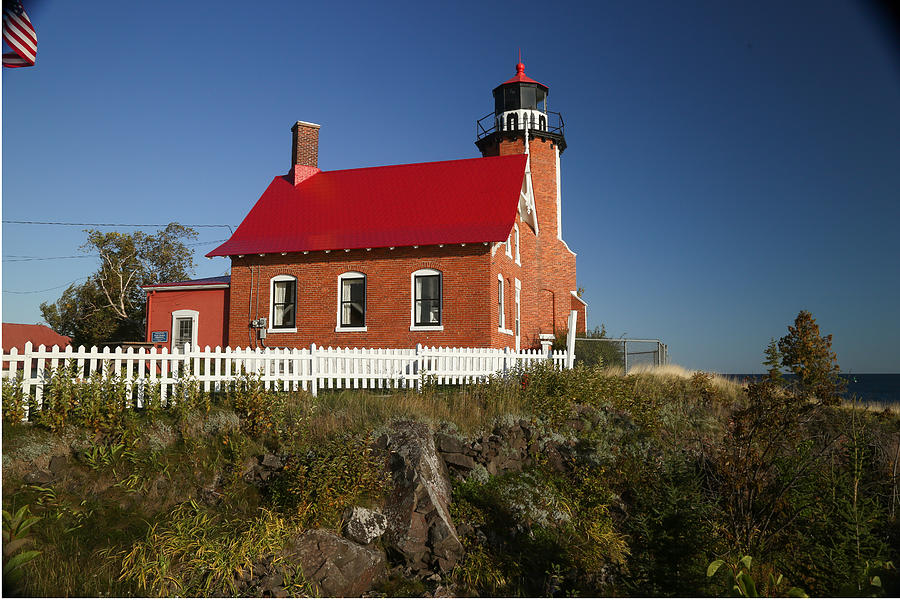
[66, 223]
[26, 258]
[46, 290]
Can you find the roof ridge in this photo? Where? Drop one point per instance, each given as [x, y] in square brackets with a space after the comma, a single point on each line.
[431, 162]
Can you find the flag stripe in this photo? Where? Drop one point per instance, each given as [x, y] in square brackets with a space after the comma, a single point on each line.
[23, 40]
[20, 36]
[17, 47]
[14, 60]
[24, 26]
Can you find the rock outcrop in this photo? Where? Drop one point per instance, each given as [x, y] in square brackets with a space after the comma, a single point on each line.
[419, 526]
[364, 526]
[335, 565]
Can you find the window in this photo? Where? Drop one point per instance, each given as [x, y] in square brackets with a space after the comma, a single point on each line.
[516, 238]
[512, 121]
[184, 329]
[283, 314]
[509, 245]
[351, 302]
[426, 306]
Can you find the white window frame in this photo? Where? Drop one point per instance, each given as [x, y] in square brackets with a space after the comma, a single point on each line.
[340, 301]
[501, 290]
[508, 243]
[185, 314]
[271, 322]
[517, 324]
[518, 254]
[412, 295]
[501, 320]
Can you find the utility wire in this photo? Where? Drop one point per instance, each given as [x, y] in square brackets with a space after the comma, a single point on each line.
[107, 224]
[46, 290]
[26, 258]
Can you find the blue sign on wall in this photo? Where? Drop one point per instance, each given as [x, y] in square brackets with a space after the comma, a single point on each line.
[159, 336]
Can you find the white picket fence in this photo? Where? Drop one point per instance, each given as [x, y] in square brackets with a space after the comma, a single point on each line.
[311, 369]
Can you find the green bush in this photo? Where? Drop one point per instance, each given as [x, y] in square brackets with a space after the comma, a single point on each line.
[319, 482]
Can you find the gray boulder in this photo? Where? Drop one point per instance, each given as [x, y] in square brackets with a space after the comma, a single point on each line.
[418, 520]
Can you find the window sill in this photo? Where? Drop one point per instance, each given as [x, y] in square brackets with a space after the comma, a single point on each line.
[426, 328]
[282, 330]
[506, 331]
[341, 329]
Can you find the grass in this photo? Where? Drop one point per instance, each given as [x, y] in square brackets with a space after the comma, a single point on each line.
[127, 517]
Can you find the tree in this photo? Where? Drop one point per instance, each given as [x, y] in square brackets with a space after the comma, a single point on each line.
[109, 306]
[808, 355]
[773, 362]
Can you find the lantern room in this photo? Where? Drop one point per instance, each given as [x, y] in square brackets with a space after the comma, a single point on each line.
[520, 104]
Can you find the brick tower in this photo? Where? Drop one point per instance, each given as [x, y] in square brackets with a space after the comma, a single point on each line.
[521, 124]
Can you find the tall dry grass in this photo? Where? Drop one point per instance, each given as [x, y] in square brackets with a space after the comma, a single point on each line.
[471, 408]
[731, 388]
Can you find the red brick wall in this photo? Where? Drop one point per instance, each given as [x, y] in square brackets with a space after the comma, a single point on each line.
[548, 272]
[466, 310]
[305, 144]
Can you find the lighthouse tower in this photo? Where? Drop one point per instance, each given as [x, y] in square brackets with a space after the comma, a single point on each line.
[522, 124]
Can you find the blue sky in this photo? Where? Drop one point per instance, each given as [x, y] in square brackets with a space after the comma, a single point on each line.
[727, 166]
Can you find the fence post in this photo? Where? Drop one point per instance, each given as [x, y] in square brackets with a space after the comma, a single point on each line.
[625, 354]
[418, 367]
[314, 384]
[570, 339]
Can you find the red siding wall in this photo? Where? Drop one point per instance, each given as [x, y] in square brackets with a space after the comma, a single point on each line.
[212, 326]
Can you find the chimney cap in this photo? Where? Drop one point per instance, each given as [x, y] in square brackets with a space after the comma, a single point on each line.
[307, 124]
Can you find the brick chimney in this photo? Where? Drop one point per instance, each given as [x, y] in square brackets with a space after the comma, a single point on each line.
[304, 151]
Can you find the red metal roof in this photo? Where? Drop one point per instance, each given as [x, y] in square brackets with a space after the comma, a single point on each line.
[16, 334]
[449, 202]
[521, 77]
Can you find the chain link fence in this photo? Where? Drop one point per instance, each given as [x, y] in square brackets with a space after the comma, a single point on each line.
[620, 352]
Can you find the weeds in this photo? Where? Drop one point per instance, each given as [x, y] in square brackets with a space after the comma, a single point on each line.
[196, 551]
[16, 535]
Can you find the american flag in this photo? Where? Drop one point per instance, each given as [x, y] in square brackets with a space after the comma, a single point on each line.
[18, 33]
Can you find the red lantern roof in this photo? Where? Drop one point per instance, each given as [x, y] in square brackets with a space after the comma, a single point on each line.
[521, 77]
[449, 202]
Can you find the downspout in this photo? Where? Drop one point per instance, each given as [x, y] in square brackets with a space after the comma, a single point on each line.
[250, 309]
[256, 311]
[147, 317]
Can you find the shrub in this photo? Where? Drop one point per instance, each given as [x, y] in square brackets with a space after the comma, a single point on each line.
[14, 400]
[319, 483]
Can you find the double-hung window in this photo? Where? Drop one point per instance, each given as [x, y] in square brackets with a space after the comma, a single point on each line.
[352, 303]
[427, 301]
[284, 303]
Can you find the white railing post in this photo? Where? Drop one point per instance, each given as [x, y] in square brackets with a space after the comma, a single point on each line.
[313, 371]
[417, 368]
[570, 339]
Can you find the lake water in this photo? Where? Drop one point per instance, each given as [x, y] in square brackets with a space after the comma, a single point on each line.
[867, 387]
